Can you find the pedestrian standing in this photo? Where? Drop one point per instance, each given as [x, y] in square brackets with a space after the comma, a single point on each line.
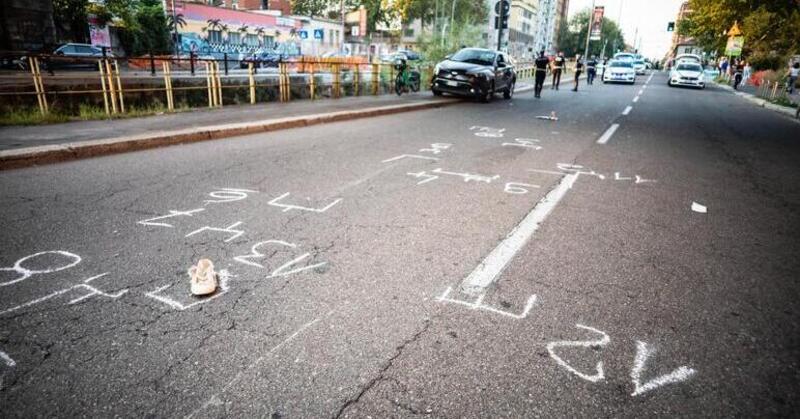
[748, 72]
[558, 68]
[737, 68]
[578, 71]
[540, 65]
[591, 70]
[723, 67]
[793, 73]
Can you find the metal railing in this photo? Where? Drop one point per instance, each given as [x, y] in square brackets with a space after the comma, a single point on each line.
[118, 85]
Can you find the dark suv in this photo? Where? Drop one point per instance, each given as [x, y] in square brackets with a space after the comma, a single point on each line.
[475, 72]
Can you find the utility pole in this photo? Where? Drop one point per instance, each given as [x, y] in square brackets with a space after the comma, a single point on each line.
[589, 31]
[344, 27]
[452, 18]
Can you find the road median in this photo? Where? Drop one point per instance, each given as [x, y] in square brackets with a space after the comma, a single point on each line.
[48, 154]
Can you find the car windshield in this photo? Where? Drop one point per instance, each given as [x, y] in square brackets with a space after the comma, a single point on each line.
[623, 64]
[689, 67]
[474, 56]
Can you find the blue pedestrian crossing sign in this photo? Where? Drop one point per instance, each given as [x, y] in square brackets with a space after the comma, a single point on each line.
[319, 33]
[303, 34]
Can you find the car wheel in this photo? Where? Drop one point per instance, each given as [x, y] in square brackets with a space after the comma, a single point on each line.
[488, 95]
[509, 93]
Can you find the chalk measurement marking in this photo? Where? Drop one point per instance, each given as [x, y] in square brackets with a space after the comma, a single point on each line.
[25, 273]
[598, 376]
[215, 397]
[627, 110]
[468, 177]
[289, 207]
[642, 354]
[436, 148]
[7, 360]
[607, 135]
[493, 265]
[423, 174]
[283, 270]
[92, 292]
[517, 188]
[224, 195]
[172, 213]
[478, 304]
[229, 229]
[410, 156]
[636, 99]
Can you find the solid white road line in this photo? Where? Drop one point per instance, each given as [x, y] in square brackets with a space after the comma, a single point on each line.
[493, 265]
[607, 135]
[636, 99]
[627, 110]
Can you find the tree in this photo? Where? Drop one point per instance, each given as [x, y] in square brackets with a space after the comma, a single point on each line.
[310, 7]
[572, 37]
[176, 21]
[71, 20]
[769, 28]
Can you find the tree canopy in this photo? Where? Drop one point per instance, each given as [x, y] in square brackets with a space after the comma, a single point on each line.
[770, 28]
[572, 37]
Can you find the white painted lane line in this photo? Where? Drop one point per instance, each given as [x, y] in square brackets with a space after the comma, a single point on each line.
[636, 99]
[627, 110]
[641, 91]
[493, 265]
[607, 135]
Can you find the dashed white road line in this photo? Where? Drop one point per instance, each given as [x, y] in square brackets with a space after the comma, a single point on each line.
[636, 99]
[493, 265]
[641, 91]
[607, 135]
[627, 110]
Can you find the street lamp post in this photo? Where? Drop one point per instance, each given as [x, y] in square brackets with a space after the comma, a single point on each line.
[589, 31]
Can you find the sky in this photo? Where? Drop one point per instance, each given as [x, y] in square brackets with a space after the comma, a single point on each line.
[649, 16]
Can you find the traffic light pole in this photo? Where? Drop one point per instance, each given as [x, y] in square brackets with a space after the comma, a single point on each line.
[589, 31]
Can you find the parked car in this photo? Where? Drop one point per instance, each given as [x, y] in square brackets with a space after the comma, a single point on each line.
[620, 71]
[686, 73]
[263, 59]
[74, 55]
[475, 72]
[640, 67]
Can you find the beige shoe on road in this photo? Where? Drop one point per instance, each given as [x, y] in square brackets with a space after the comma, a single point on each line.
[204, 279]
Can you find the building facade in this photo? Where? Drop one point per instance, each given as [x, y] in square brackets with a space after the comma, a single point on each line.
[683, 44]
[521, 25]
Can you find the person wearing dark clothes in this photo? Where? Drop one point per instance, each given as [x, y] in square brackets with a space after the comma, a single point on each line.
[558, 67]
[591, 70]
[578, 71]
[541, 65]
[737, 69]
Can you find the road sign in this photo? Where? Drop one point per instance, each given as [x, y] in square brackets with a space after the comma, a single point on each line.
[597, 24]
[319, 33]
[734, 47]
[734, 30]
[498, 20]
[303, 34]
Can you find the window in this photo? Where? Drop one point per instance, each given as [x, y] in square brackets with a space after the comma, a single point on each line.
[409, 33]
[234, 38]
[251, 40]
[215, 37]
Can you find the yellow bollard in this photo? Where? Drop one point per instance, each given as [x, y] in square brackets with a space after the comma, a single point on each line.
[252, 80]
[111, 89]
[119, 88]
[103, 85]
[38, 85]
[208, 84]
[312, 84]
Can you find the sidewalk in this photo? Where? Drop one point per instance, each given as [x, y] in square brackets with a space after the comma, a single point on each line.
[748, 92]
[16, 137]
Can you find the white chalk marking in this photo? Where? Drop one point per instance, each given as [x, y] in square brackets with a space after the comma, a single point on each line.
[636, 99]
[642, 354]
[581, 344]
[92, 292]
[224, 277]
[699, 208]
[569, 168]
[27, 273]
[289, 207]
[607, 135]
[436, 148]
[7, 360]
[488, 132]
[214, 399]
[493, 265]
[229, 229]
[627, 110]
[282, 270]
[423, 174]
[478, 305]
[640, 179]
[468, 177]
[254, 253]
[410, 156]
[618, 177]
[228, 195]
[518, 188]
[172, 213]
[524, 142]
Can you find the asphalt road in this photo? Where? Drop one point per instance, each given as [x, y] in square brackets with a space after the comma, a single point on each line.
[516, 268]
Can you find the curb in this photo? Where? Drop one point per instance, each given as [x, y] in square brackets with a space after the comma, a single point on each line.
[31, 156]
[763, 103]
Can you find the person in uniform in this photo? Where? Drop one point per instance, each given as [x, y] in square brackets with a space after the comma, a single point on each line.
[578, 71]
[591, 70]
[558, 67]
[541, 65]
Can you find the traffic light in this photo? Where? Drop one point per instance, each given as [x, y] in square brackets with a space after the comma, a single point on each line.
[498, 20]
[671, 27]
